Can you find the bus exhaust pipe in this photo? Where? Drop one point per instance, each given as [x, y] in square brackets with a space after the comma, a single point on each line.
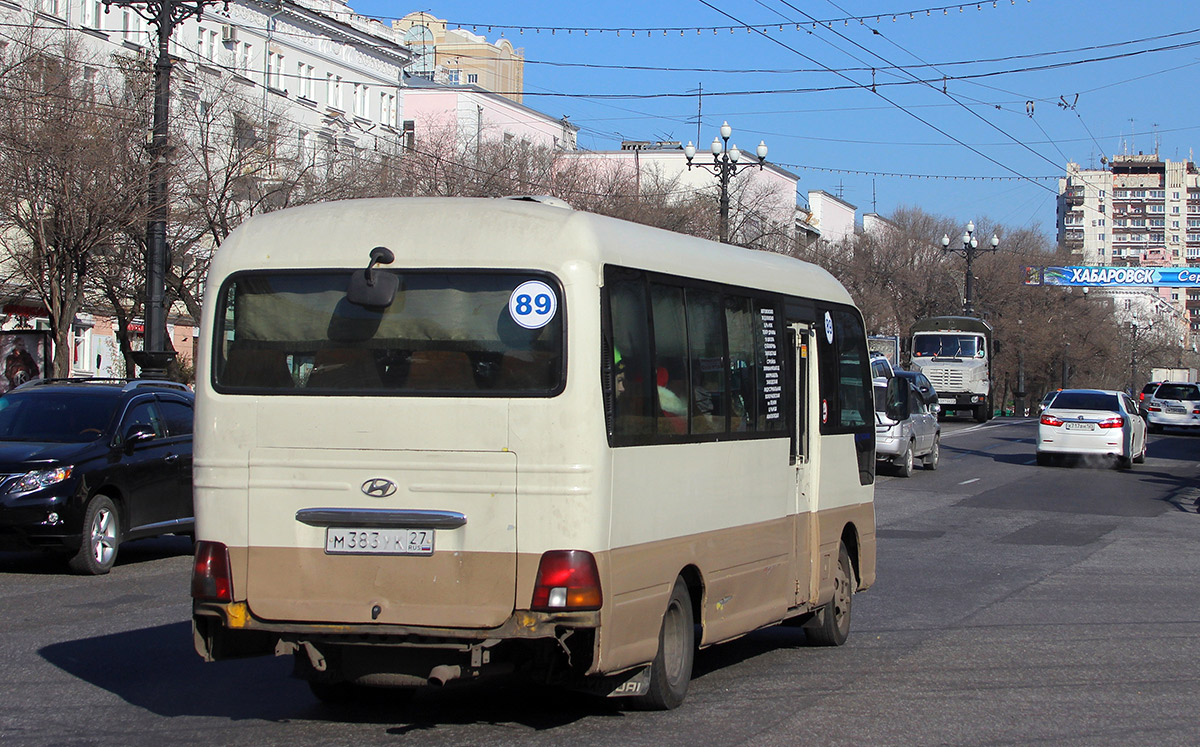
[443, 673]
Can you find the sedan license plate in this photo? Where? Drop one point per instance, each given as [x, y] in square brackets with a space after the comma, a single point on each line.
[351, 541]
[1176, 410]
[1080, 427]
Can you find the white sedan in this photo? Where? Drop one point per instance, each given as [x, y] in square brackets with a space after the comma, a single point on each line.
[1092, 422]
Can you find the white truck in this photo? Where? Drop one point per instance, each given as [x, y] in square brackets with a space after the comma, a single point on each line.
[1178, 375]
[955, 353]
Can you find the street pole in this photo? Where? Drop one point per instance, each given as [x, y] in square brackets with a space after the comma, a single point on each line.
[723, 227]
[724, 166]
[970, 247]
[157, 354]
[1133, 332]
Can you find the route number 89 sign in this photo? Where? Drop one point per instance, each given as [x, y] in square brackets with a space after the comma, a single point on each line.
[533, 304]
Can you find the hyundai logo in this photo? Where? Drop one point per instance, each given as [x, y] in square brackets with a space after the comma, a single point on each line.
[379, 487]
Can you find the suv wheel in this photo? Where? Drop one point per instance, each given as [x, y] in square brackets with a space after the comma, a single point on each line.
[101, 537]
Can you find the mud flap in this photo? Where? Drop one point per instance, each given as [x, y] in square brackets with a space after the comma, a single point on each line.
[623, 685]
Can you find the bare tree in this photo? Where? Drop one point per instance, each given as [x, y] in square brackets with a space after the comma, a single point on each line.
[69, 182]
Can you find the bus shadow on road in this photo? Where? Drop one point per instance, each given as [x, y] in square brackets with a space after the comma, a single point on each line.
[156, 669]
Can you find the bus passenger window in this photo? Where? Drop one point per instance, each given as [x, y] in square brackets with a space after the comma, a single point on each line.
[739, 323]
[631, 389]
[706, 344]
[671, 358]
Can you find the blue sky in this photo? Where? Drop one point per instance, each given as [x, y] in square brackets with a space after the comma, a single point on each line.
[1101, 78]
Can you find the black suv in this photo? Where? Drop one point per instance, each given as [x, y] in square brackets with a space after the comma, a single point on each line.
[86, 464]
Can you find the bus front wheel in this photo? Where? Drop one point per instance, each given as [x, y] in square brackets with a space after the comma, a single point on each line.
[830, 626]
[671, 670]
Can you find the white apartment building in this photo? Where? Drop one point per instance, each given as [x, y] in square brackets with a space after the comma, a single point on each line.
[1142, 210]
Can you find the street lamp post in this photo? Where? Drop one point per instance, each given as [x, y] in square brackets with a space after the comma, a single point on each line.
[970, 247]
[1133, 350]
[725, 166]
[156, 354]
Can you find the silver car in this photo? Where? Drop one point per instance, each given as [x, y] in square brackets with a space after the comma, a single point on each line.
[1173, 404]
[906, 427]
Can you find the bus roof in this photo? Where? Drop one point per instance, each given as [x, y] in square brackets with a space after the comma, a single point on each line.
[499, 233]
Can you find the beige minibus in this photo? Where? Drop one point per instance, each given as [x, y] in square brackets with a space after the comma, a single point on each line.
[439, 439]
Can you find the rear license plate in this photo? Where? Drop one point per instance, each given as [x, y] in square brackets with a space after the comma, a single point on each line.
[945, 400]
[350, 541]
[1176, 410]
[1080, 426]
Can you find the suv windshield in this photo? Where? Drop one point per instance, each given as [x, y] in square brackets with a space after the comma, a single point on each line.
[50, 416]
[462, 333]
[1189, 392]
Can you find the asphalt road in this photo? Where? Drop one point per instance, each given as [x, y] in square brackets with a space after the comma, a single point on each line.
[1015, 604]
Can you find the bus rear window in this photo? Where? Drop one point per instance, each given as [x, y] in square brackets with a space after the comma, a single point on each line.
[446, 333]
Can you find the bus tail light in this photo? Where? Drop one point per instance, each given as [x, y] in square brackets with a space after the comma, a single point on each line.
[1117, 422]
[567, 580]
[1051, 420]
[211, 579]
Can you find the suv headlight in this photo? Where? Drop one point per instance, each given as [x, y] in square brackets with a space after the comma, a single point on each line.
[42, 478]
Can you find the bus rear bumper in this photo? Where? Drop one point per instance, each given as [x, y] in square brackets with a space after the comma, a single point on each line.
[399, 655]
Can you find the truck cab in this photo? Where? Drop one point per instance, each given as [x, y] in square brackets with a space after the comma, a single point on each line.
[955, 353]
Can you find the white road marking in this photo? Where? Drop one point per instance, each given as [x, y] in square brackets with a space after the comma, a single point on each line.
[968, 482]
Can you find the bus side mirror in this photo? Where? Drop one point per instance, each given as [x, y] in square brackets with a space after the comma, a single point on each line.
[896, 407]
[371, 288]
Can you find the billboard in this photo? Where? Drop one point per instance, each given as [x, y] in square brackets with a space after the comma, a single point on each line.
[1114, 277]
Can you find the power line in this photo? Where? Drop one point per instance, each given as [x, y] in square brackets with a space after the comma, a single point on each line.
[738, 27]
[899, 107]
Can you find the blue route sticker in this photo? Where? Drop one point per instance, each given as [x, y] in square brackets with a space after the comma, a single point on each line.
[533, 304]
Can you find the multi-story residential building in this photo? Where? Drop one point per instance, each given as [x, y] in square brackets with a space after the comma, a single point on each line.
[1141, 210]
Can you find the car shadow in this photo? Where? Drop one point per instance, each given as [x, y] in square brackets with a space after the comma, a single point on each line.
[34, 562]
[157, 670]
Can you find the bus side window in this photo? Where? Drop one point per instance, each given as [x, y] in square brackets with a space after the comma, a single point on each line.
[706, 348]
[670, 358]
[739, 323]
[631, 384]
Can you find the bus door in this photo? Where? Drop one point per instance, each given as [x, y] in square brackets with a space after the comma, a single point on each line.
[801, 371]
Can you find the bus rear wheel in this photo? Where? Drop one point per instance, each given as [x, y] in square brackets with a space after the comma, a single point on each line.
[830, 626]
[671, 670]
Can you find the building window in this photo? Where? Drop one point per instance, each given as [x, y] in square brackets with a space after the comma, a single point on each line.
[51, 7]
[387, 108]
[472, 78]
[242, 55]
[333, 91]
[1102, 239]
[304, 77]
[274, 70]
[361, 106]
[93, 13]
[79, 354]
[131, 27]
[453, 77]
